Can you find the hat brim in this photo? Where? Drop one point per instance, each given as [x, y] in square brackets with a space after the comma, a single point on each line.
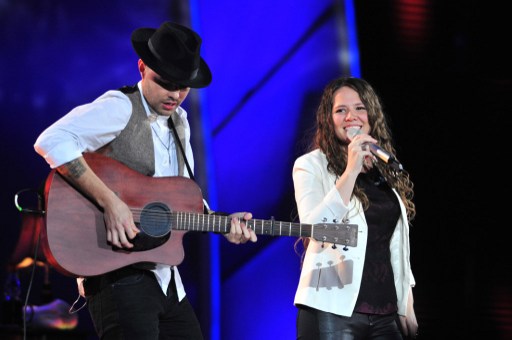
[140, 39]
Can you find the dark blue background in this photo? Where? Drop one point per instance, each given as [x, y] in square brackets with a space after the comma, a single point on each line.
[441, 68]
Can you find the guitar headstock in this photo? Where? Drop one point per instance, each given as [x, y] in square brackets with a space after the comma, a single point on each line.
[341, 234]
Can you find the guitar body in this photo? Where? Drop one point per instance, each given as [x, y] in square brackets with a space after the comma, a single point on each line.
[74, 238]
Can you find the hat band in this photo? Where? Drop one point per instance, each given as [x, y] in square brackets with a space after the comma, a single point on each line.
[178, 73]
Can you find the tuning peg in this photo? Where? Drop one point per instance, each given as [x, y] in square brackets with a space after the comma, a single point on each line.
[345, 248]
[334, 246]
[322, 244]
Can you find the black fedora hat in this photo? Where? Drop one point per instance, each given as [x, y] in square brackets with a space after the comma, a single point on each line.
[172, 51]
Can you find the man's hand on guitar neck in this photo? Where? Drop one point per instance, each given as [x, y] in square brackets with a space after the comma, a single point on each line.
[239, 233]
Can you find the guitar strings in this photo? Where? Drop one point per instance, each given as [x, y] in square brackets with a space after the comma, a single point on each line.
[219, 222]
[196, 219]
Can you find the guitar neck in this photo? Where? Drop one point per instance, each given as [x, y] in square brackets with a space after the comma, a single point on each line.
[222, 224]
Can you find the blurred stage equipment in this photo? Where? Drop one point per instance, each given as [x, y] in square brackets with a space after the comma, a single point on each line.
[50, 313]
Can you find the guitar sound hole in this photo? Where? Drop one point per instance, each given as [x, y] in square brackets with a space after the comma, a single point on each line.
[155, 227]
[155, 219]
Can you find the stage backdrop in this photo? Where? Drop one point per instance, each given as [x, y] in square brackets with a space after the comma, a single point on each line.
[270, 61]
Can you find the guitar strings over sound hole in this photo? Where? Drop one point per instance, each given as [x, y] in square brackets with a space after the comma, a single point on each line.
[155, 219]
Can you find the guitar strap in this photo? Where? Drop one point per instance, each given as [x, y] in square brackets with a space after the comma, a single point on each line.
[177, 141]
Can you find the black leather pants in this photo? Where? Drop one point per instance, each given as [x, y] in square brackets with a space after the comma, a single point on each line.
[313, 324]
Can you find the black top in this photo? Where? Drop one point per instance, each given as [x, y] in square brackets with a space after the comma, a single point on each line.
[378, 294]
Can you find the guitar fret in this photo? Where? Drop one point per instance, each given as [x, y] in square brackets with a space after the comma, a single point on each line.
[263, 231]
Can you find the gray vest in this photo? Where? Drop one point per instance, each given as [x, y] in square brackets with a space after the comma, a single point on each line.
[134, 146]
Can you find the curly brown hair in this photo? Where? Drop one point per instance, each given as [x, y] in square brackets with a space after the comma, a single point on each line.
[326, 140]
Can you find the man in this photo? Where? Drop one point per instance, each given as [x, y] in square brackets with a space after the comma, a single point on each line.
[131, 125]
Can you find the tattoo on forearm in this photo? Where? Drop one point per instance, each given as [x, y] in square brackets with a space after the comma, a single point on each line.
[74, 169]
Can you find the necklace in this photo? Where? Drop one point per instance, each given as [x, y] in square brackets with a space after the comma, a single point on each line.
[168, 146]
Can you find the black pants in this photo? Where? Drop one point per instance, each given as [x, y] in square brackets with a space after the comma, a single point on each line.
[129, 304]
[313, 324]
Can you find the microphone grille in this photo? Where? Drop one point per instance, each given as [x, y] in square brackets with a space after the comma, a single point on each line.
[353, 131]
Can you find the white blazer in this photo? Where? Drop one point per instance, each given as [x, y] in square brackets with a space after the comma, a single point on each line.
[331, 278]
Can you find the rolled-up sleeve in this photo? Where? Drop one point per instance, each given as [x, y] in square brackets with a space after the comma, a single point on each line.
[86, 128]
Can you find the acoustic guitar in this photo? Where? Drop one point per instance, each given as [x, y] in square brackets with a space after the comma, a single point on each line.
[74, 237]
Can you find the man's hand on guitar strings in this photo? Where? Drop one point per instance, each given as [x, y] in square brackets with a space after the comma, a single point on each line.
[119, 223]
[239, 232]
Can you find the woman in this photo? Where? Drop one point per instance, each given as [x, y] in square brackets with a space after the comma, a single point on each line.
[354, 292]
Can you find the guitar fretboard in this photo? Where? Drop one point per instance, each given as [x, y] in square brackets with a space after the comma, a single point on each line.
[222, 224]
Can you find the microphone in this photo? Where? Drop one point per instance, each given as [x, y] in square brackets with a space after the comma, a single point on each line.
[377, 151]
